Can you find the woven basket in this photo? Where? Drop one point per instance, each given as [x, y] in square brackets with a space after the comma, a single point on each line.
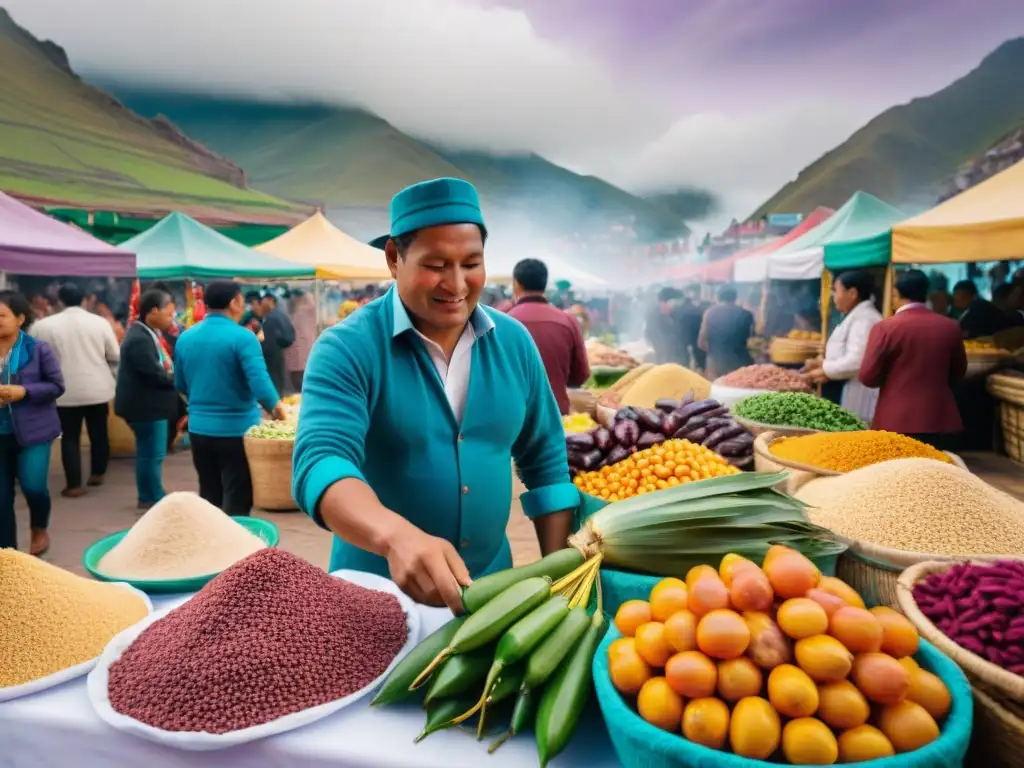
[764, 461]
[998, 694]
[1009, 391]
[779, 430]
[797, 466]
[791, 351]
[583, 401]
[270, 464]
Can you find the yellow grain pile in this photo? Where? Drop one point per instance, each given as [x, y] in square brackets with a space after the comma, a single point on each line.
[669, 381]
[180, 537]
[847, 451]
[51, 619]
[919, 505]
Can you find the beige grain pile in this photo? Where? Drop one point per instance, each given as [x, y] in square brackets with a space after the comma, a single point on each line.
[919, 505]
[51, 619]
[180, 537]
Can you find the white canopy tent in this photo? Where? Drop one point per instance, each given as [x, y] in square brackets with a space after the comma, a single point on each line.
[501, 262]
[807, 264]
[752, 269]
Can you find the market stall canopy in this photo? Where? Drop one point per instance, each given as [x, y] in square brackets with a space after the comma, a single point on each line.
[180, 248]
[855, 237]
[751, 265]
[316, 242]
[500, 263]
[983, 223]
[31, 243]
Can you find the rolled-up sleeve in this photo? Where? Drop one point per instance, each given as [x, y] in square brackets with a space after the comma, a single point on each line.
[539, 451]
[333, 420]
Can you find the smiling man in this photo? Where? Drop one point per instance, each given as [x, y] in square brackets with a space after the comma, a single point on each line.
[414, 406]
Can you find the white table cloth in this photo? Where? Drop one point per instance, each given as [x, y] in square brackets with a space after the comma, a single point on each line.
[58, 728]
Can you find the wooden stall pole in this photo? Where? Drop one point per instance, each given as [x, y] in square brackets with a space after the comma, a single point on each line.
[890, 280]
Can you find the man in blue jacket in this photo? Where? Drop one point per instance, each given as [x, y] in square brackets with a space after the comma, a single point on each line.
[220, 369]
[414, 406]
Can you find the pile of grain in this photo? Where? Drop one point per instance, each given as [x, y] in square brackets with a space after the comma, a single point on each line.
[847, 451]
[51, 619]
[919, 505]
[270, 636]
[180, 537]
[765, 376]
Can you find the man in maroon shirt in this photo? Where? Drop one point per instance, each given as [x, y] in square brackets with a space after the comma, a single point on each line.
[556, 333]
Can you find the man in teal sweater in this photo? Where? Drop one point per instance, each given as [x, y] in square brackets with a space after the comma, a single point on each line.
[414, 407]
[220, 369]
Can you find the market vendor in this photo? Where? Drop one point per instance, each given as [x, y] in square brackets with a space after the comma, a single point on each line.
[414, 408]
[838, 370]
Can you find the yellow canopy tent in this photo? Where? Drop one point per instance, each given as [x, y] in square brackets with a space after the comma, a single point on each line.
[983, 223]
[336, 256]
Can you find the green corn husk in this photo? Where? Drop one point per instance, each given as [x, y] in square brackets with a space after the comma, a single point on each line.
[668, 532]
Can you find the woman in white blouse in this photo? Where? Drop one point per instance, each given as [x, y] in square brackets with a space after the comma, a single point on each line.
[851, 293]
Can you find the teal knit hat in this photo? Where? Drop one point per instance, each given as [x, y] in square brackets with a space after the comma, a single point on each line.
[434, 203]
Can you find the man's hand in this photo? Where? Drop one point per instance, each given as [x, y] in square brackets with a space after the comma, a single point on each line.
[11, 393]
[815, 376]
[427, 568]
[279, 412]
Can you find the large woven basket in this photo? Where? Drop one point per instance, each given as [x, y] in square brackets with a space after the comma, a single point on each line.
[998, 694]
[778, 430]
[270, 464]
[764, 461]
[791, 351]
[1009, 391]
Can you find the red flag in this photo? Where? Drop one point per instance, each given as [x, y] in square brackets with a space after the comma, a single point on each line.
[133, 303]
[200, 304]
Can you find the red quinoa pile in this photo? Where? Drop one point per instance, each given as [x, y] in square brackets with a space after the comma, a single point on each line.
[270, 636]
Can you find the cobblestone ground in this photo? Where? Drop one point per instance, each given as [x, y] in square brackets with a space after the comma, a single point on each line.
[76, 523]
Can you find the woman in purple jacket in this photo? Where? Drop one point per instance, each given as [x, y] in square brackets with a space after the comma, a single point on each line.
[30, 383]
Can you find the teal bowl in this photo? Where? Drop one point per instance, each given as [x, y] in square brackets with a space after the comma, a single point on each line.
[95, 552]
[639, 744]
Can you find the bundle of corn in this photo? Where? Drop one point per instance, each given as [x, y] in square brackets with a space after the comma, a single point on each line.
[668, 532]
[528, 634]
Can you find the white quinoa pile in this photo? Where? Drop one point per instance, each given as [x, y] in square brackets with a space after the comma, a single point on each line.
[919, 505]
[180, 537]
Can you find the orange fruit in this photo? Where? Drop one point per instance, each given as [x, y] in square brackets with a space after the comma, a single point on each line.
[824, 658]
[791, 575]
[768, 647]
[681, 631]
[659, 705]
[670, 582]
[807, 741]
[697, 572]
[739, 678]
[632, 614]
[707, 594]
[754, 729]
[881, 678]
[731, 564]
[621, 645]
[628, 672]
[723, 634]
[826, 600]
[930, 692]
[908, 726]
[775, 551]
[842, 590]
[692, 674]
[792, 692]
[857, 629]
[863, 743]
[842, 706]
[899, 636]
[668, 601]
[750, 589]
[802, 617]
[909, 664]
[651, 643]
[706, 722]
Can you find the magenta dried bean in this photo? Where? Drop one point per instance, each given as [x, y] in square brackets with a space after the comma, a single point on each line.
[270, 636]
[980, 607]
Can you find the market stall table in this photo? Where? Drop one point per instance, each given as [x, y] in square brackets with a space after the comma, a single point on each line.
[59, 727]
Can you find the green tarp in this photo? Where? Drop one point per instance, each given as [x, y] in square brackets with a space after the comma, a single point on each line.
[858, 235]
[116, 228]
[180, 248]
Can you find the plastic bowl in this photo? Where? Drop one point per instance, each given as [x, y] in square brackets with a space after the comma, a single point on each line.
[639, 744]
[264, 529]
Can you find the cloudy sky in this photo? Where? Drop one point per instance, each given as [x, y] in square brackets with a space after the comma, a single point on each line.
[732, 95]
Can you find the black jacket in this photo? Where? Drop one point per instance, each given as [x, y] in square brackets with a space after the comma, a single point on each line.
[145, 391]
[278, 335]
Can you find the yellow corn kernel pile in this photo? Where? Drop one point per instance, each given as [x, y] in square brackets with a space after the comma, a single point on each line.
[51, 619]
[667, 464]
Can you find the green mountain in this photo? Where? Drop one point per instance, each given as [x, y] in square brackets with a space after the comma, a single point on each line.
[348, 158]
[65, 143]
[904, 155]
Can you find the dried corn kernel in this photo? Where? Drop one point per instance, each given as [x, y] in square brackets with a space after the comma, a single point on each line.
[51, 619]
[671, 463]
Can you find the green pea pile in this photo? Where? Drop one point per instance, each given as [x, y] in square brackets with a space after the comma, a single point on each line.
[796, 409]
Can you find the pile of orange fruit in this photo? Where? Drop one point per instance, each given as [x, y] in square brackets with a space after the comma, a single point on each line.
[753, 659]
[671, 463]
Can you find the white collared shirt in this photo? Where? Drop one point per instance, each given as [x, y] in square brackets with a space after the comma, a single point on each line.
[843, 355]
[87, 350]
[455, 374]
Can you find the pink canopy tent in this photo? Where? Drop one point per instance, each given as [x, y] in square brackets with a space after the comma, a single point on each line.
[720, 271]
[31, 243]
